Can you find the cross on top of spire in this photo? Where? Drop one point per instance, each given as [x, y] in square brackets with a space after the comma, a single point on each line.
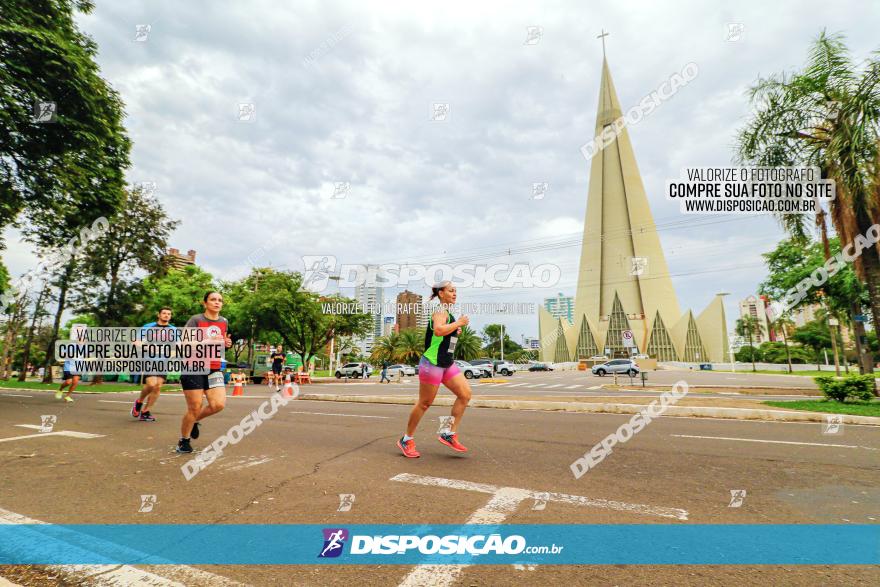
[602, 36]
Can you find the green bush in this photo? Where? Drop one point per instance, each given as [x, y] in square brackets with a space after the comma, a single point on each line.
[857, 387]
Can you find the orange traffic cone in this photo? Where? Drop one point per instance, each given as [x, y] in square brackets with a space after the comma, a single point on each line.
[238, 389]
[288, 387]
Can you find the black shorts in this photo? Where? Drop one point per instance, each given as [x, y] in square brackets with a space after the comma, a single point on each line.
[68, 375]
[192, 382]
[276, 370]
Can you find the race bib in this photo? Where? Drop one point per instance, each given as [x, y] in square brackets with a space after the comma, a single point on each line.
[452, 342]
[215, 380]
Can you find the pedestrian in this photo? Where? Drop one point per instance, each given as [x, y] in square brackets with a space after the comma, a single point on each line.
[385, 378]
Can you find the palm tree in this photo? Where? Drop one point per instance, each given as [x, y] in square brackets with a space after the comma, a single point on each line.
[385, 349]
[783, 324]
[827, 116]
[410, 345]
[469, 344]
[748, 326]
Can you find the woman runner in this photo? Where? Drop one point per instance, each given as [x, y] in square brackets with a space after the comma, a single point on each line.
[210, 386]
[436, 367]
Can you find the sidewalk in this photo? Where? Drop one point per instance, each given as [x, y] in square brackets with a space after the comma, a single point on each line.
[723, 408]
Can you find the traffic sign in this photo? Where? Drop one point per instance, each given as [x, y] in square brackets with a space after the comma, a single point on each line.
[627, 338]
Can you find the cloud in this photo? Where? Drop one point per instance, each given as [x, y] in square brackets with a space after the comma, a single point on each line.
[344, 92]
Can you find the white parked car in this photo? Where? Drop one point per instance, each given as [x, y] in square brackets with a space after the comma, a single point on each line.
[405, 369]
[471, 371]
[354, 370]
[616, 366]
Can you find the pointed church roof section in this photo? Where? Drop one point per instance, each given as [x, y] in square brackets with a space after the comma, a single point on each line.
[619, 229]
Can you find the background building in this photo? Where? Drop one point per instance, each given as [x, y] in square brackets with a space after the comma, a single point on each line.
[387, 325]
[624, 284]
[531, 343]
[371, 297]
[410, 311]
[756, 307]
[175, 260]
[561, 307]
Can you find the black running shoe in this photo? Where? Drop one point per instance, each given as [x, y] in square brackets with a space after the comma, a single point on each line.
[136, 410]
[195, 431]
[184, 446]
[146, 417]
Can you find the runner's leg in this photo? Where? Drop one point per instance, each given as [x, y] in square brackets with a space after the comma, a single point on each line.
[154, 385]
[216, 402]
[194, 399]
[427, 393]
[462, 390]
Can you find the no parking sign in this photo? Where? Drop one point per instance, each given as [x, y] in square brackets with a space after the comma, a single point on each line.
[627, 338]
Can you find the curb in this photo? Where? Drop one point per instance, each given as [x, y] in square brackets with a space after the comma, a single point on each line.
[679, 411]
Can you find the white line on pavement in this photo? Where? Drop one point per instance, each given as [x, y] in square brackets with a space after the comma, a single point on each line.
[347, 415]
[555, 385]
[13, 395]
[504, 502]
[572, 386]
[775, 441]
[62, 433]
[126, 574]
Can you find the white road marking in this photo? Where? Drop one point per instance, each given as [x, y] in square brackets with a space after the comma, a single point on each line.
[118, 575]
[347, 415]
[572, 386]
[556, 385]
[775, 441]
[69, 433]
[595, 387]
[518, 384]
[504, 502]
[113, 401]
[13, 395]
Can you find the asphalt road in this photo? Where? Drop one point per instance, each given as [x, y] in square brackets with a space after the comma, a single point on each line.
[293, 468]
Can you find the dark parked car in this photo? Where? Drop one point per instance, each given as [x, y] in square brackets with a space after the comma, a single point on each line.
[540, 367]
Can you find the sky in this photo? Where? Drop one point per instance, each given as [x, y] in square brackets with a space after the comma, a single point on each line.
[344, 92]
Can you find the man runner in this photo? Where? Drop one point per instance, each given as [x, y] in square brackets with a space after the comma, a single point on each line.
[278, 358]
[152, 381]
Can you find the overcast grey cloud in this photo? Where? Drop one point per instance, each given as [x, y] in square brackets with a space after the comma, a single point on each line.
[343, 91]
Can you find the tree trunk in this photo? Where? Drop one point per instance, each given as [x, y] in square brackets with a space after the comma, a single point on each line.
[26, 355]
[787, 353]
[871, 266]
[752, 347]
[56, 325]
[866, 361]
[12, 325]
[833, 333]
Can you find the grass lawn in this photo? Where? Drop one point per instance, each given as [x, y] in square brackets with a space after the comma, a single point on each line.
[871, 408]
[81, 386]
[802, 373]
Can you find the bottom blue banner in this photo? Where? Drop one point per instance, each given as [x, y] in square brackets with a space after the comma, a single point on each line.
[636, 544]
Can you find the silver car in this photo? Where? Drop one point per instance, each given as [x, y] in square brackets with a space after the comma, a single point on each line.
[470, 371]
[616, 366]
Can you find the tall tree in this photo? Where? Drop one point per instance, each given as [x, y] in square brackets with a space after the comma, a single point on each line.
[36, 316]
[749, 326]
[136, 238]
[827, 116]
[61, 134]
[182, 290]
[469, 344]
[295, 314]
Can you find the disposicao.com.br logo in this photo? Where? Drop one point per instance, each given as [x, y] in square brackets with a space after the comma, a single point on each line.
[449, 544]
